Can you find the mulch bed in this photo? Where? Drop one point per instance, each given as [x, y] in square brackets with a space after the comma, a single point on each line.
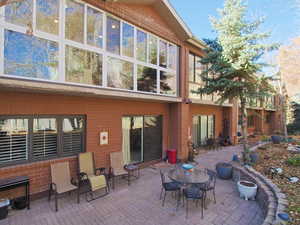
[276, 156]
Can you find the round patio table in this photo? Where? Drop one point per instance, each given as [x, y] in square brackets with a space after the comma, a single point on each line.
[197, 176]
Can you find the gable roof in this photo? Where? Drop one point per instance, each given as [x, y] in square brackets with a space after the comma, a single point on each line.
[165, 8]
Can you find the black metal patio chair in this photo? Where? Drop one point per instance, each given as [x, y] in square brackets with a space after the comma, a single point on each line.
[194, 193]
[211, 185]
[171, 186]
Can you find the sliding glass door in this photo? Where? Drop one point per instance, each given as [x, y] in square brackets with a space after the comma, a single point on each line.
[152, 138]
[203, 128]
[142, 138]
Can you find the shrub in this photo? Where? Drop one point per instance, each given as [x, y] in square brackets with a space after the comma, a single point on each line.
[265, 138]
[294, 161]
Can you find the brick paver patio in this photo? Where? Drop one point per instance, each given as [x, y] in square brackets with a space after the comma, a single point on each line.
[139, 204]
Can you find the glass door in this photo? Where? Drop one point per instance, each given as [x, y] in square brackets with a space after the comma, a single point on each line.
[203, 128]
[142, 138]
[132, 139]
[152, 138]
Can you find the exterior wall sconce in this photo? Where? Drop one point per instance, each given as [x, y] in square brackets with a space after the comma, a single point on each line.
[187, 101]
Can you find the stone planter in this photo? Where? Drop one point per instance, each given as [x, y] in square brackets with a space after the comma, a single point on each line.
[224, 170]
[247, 189]
[276, 139]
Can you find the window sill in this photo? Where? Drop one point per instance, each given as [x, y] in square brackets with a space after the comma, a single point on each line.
[37, 86]
[206, 102]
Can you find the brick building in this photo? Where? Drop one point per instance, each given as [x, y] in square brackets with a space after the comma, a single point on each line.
[73, 72]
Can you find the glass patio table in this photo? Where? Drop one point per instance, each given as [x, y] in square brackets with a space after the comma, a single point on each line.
[196, 176]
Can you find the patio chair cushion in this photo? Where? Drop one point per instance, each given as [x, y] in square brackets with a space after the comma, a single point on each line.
[193, 193]
[97, 182]
[62, 188]
[172, 186]
[119, 171]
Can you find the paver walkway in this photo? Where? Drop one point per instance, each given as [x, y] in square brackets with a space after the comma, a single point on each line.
[139, 204]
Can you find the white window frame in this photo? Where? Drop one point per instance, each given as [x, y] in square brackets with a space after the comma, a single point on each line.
[62, 42]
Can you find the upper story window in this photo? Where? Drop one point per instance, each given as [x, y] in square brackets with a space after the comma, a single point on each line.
[73, 42]
[141, 46]
[152, 50]
[113, 35]
[196, 68]
[74, 23]
[128, 40]
[47, 16]
[30, 56]
[163, 53]
[94, 27]
[20, 14]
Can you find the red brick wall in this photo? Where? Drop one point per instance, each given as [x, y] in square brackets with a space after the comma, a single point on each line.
[102, 114]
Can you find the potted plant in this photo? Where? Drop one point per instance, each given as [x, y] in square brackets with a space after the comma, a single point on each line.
[224, 170]
[247, 189]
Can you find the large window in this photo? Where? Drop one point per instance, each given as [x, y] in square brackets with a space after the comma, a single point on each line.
[32, 138]
[141, 46]
[203, 129]
[196, 68]
[152, 49]
[168, 83]
[120, 74]
[74, 25]
[74, 42]
[163, 53]
[19, 13]
[147, 78]
[47, 16]
[128, 40]
[83, 67]
[94, 27]
[113, 35]
[29, 56]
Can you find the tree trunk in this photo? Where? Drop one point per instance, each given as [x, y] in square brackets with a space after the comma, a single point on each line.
[246, 156]
[284, 106]
[244, 123]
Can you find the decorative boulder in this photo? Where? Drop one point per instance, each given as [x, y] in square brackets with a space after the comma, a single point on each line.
[224, 170]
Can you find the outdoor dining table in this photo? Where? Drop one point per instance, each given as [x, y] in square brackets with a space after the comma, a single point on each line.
[196, 176]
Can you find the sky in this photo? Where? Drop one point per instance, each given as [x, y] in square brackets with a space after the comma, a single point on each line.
[282, 17]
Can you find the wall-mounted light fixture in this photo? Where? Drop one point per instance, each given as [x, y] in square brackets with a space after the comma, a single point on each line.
[187, 101]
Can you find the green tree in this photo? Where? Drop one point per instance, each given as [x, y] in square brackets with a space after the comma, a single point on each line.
[294, 127]
[234, 59]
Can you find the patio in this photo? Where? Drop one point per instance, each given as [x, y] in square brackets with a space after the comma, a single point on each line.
[139, 204]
